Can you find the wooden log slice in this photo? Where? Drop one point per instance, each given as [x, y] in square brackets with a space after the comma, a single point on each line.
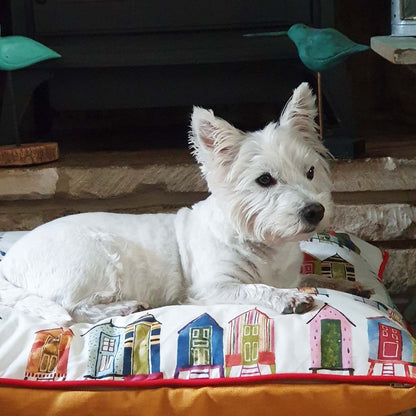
[28, 154]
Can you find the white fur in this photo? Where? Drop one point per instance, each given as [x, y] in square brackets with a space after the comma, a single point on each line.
[240, 245]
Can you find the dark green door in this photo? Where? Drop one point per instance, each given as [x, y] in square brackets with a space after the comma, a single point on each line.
[200, 346]
[331, 344]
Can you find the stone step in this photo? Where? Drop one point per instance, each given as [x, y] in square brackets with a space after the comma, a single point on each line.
[375, 174]
[104, 175]
[25, 215]
[375, 198]
[375, 222]
[400, 272]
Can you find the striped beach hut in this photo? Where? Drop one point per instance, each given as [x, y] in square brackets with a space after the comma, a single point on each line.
[250, 345]
[335, 267]
[142, 346]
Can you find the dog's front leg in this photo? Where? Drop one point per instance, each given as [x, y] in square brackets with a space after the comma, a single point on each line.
[281, 300]
[354, 288]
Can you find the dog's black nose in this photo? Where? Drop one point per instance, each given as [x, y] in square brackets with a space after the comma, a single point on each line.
[313, 213]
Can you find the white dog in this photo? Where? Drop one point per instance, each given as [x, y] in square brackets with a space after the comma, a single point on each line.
[269, 190]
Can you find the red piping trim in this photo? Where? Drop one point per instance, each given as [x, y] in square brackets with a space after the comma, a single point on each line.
[383, 265]
[273, 378]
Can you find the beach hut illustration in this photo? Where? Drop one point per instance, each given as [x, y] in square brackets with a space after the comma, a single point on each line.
[116, 351]
[250, 345]
[310, 265]
[105, 355]
[392, 313]
[200, 349]
[314, 291]
[48, 358]
[392, 349]
[395, 316]
[333, 267]
[330, 333]
[341, 239]
[142, 346]
[371, 302]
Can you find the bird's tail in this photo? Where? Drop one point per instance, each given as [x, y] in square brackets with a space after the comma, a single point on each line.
[265, 34]
[31, 304]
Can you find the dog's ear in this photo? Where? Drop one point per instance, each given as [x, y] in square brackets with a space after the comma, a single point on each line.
[212, 139]
[300, 112]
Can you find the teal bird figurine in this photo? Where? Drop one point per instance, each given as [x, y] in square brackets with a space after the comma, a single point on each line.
[17, 53]
[318, 49]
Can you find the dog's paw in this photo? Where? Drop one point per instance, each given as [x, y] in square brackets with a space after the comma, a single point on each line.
[94, 313]
[354, 288]
[358, 289]
[298, 302]
[128, 307]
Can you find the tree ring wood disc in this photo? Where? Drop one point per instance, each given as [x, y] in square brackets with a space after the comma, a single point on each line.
[28, 154]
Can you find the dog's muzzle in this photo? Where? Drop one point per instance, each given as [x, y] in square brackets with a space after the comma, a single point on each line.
[312, 213]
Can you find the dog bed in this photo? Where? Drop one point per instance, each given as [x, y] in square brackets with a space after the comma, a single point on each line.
[349, 355]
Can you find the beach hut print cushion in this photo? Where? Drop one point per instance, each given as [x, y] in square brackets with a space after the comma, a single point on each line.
[343, 336]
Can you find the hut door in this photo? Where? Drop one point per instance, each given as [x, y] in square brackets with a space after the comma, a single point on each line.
[200, 346]
[390, 343]
[108, 349]
[141, 350]
[50, 354]
[331, 344]
[250, 344]
[338, 270]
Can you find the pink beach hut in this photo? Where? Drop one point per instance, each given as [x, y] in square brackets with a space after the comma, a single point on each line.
[331, 341]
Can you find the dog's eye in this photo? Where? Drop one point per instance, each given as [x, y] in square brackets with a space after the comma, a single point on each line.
[266, 180]
[310, 173]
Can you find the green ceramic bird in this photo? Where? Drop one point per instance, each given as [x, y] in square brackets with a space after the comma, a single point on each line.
[319, 49]
[18, 52]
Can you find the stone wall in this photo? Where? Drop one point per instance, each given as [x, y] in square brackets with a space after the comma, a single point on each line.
[376, 200]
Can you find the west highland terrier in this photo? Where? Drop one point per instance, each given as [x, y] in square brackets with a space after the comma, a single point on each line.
[269, 189]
